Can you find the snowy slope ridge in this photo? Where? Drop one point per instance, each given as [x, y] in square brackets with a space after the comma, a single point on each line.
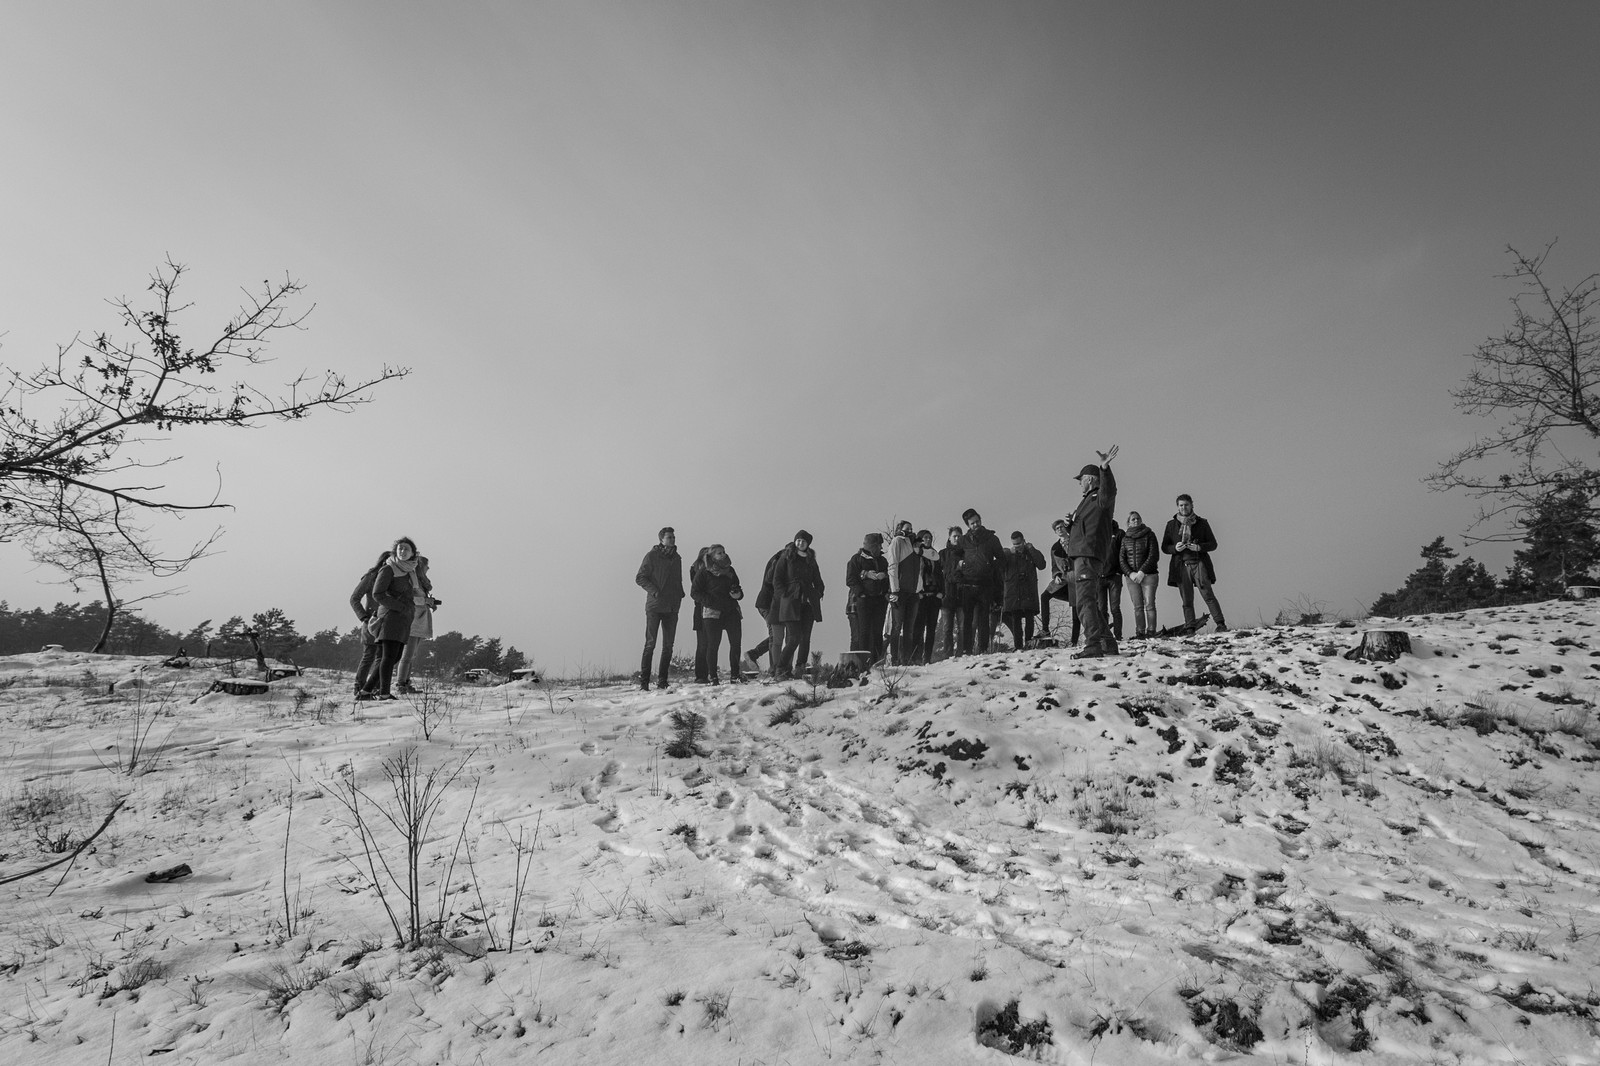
[1240, 847]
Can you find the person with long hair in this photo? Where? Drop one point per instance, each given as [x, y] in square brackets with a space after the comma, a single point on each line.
[394, 591]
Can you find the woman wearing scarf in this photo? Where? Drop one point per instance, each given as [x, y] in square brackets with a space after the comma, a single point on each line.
[1141, 563]
[717, 593]
[394, 591]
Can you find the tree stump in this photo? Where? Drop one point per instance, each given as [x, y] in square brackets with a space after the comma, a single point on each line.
[1582, 592]
[1381, 645]
[240, 686]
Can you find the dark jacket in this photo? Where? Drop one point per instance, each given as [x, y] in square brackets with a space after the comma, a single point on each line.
[765, 598]
[950, 571]
[1141, 553]
[982, 558]
[394, 593]
[714, 591]
[797, 585]
[905, 566]
[1022, 579]
[932, 574]
[361, 601]
[866, 562]
[1112, 570]
[1094, 522]
[1201, 536]
[661, 577]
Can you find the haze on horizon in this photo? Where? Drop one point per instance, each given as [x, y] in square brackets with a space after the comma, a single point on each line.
[743, 268]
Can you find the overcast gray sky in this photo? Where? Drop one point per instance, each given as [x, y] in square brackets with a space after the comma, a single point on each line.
[744, 268]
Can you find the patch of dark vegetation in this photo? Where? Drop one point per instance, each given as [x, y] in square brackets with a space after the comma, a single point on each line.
[1225, 1022]
[1170, 735]
[1212, 679]
[1006, 1031]
[848, 951]
[1232, 767]
[1341, 1014]
[785, 716]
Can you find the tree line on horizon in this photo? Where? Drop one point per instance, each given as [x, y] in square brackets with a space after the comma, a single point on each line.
[78, 628]
[1561, 548]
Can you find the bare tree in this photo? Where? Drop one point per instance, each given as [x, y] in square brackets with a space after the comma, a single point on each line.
[1541, 379]
[80, 435]
[89, 542]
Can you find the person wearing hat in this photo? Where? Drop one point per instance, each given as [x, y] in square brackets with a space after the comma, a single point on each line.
[1089, 546]
[1190, 542]
[981, 580]
[661, 577]
[866, 575]
[797, 588]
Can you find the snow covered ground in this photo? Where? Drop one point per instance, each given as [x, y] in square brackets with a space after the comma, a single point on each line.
[1238, 847]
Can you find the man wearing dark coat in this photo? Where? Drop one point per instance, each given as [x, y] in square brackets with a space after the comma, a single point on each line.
[981, 580]
[661, 577]
[797, 588]
[1089, 544]
[1190, 542]
[867, 577]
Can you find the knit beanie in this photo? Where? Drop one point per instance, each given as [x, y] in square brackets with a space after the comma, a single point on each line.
[872, 540]
[802, 535]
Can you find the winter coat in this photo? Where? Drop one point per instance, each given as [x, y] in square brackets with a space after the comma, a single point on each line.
[422, 612]
[361, 601]
[394, 593]
[765, 598]
[905, 566]
[982, 558]
[1140, 554]
[950, 571]
[1202, 537]
[661, 577]
[932, 574]
[797, 586]
[862, 563]
[1022, 579]
[714, 592]
[1112, 570]
[1094, 522]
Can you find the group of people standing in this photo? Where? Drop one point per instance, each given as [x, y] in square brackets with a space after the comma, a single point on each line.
[911, 602]
[394, 601]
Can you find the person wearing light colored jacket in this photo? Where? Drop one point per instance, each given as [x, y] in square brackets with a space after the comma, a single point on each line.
[905, 593]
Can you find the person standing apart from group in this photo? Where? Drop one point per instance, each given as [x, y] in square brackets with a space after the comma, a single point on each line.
[1089, 543]
[797, 587]
[394, 591]
[1190, 542]
[661, 577]
[1141, 563]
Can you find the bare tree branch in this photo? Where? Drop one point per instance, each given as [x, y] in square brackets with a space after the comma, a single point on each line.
[75, 433]
[1541, 380]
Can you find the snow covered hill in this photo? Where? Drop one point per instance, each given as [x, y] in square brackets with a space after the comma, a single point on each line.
[1239, 847]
